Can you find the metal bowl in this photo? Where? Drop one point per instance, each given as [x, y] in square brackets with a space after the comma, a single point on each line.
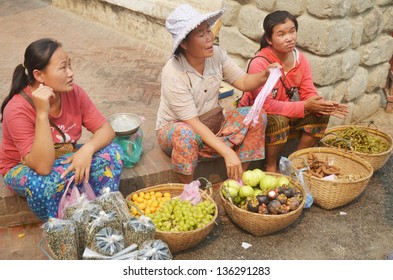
[125, 123]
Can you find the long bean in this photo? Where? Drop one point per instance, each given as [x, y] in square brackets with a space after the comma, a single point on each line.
[360, 141]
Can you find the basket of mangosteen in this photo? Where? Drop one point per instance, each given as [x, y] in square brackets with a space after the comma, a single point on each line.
[264, 202]
[334, 177]
[371, 144]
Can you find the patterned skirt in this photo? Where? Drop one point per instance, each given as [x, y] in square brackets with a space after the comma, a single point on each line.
[280, 128]
[185, 148]
[43, 193]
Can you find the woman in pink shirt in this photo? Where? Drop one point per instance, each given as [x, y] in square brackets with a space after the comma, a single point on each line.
[294, 104]
[42, 119]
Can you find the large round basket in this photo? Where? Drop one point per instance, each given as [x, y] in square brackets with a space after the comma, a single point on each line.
[263, 224]
[332, 194]
[179, 241]
[376, 160]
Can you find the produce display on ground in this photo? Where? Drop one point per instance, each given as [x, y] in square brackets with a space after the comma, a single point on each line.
[263, 203]
[332, 190]
[184, 216]
[91, 233]
[371, 144]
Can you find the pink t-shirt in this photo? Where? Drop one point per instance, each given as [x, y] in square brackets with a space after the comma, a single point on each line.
[77, 110]
[298, 78]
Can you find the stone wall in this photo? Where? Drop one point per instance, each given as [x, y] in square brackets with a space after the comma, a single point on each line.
[347, 42]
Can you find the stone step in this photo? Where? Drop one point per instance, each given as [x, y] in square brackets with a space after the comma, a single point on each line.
[14, 209]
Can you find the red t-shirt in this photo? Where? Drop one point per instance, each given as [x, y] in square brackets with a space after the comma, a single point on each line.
[77, 110]
[278, 102]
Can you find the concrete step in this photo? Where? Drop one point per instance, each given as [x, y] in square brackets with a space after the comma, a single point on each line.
[14, 209]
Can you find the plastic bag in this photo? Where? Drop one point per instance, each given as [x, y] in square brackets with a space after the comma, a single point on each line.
[138, 230]
[286, 168]
[129, 253]
[191, 192]
[104, 224]
[154, 250]
[253, 114]
[81, 213]
[132, 147]
[74, 195]
[108, 241]
[62, 239]
[114, 201]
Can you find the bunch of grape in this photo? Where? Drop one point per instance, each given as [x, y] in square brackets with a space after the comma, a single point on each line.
[178, 215]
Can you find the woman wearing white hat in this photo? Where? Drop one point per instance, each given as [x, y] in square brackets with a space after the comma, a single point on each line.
[190, 85]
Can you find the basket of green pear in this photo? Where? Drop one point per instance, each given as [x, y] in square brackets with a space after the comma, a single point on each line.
[263, 202]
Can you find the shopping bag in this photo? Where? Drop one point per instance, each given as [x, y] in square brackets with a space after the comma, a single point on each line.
[73, 195]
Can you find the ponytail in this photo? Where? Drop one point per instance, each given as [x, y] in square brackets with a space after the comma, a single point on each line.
[263, 43]
[37, 56]
[19, 81]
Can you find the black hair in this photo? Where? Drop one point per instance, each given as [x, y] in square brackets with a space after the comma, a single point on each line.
[37, 56]
[273, 19]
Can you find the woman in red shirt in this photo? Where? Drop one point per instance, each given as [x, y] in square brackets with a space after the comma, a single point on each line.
[46, 110]
[294, 104]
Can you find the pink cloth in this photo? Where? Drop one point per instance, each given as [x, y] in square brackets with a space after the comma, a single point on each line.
[77, 110]
[300, 76]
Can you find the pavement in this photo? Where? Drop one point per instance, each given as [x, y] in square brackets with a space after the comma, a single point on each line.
[122, 74]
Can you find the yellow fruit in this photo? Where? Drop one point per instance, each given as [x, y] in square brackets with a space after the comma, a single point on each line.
[167, 195]
[135, 197]
[142, 205]
[134, 211]
[158, 194]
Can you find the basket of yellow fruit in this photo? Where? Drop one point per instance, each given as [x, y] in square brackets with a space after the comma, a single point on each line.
[264, 202]
[179, 223]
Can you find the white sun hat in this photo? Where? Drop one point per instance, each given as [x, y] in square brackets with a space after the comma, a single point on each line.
[184, 19]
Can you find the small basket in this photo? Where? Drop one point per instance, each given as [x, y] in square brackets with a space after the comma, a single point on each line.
[332, 194]
[180, 241]
[263, 224]
[377, 161]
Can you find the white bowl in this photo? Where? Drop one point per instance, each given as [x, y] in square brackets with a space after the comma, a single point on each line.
[124, 123]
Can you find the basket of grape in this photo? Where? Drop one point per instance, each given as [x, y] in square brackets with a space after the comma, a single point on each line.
[179, 223]
[371, 144]
[333, 176]
[264, 204]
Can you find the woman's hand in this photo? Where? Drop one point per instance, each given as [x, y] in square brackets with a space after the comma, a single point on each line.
[317, 105]
[80, 164]
[271, 66]
[81, 159]
[233, 165]
[341, 110]
[41, 99]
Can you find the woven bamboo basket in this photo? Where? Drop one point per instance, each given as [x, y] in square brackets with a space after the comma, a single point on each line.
[332, 194]
[377, 161]
[263, 224]
[180, 241]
